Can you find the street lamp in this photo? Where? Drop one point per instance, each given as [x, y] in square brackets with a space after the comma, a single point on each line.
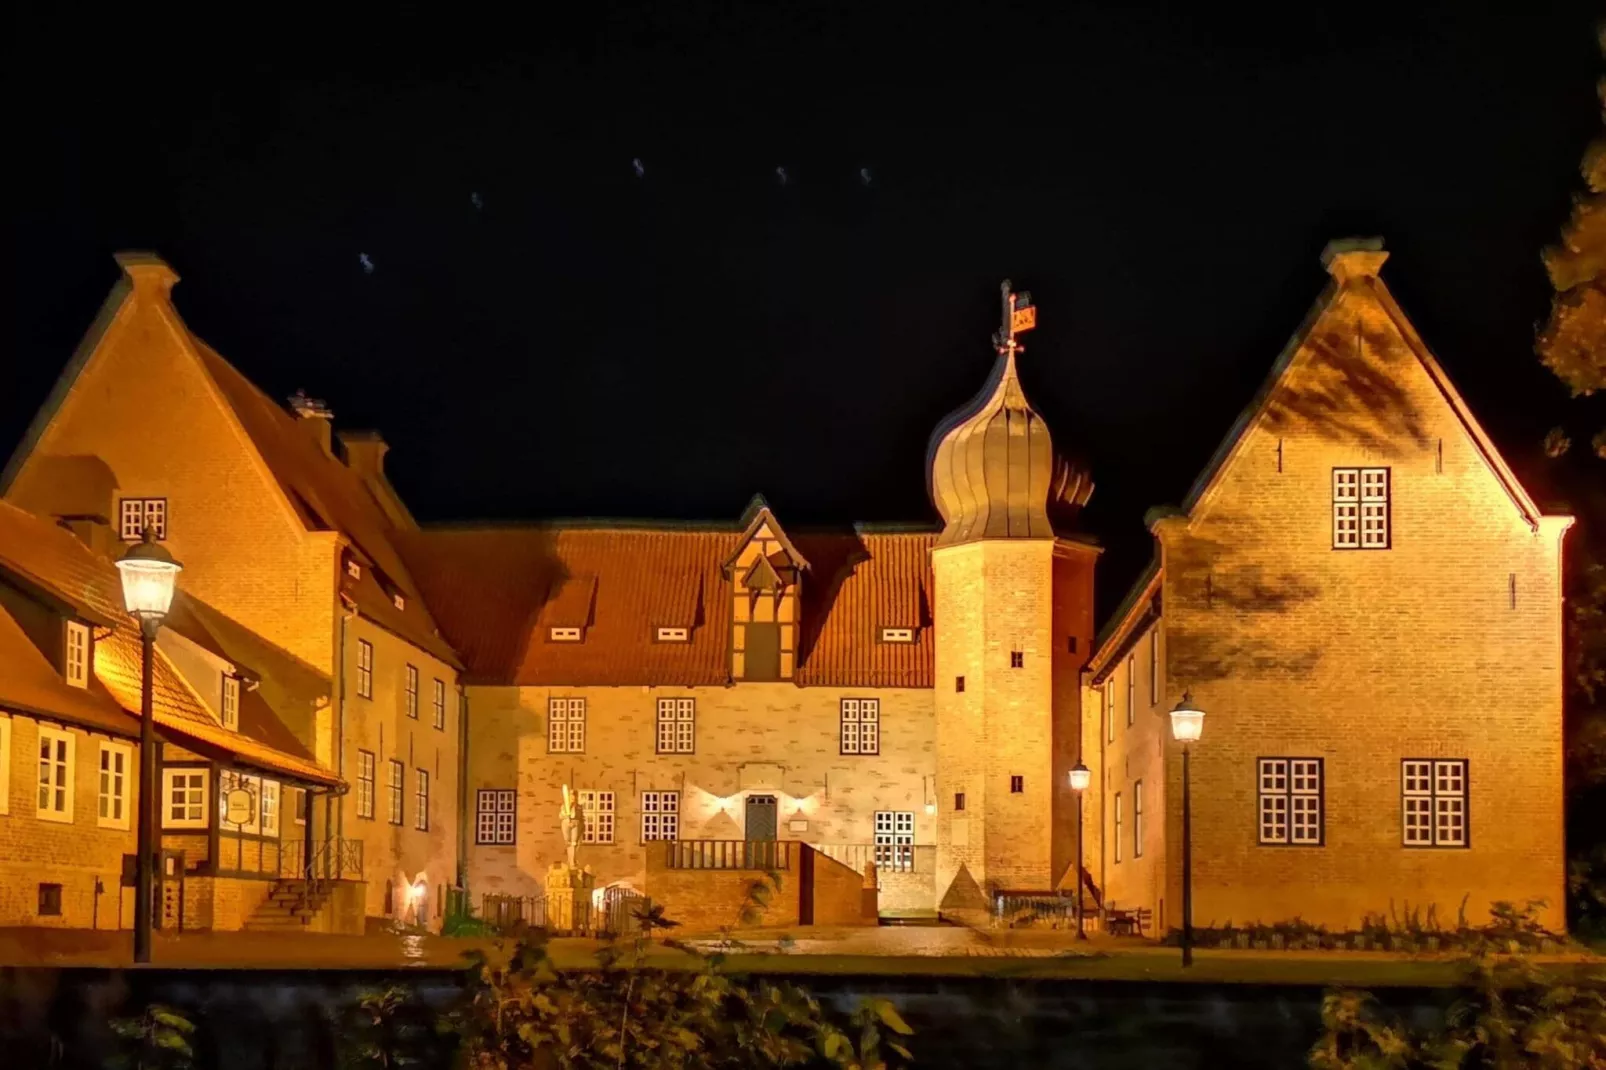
[149, 575]
[1187, 725]
[1081, 777]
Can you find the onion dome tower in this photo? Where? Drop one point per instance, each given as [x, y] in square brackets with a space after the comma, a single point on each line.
[993, 472]
[1013, 623]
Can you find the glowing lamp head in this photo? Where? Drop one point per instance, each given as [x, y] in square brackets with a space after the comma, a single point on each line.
[415, 892]
[1187, 720]
[149, 576]
[931, 808]
[1081, 777]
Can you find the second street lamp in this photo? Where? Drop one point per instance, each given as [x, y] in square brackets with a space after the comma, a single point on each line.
[1081, 776]
[1187, 725]
[149, 576]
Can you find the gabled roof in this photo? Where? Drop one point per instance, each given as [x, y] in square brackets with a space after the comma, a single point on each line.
[65, 570]
[1354, 264]
[494, 589]
[317, 487]
[31, 685]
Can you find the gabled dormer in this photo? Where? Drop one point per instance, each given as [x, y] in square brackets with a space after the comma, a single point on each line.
[765, 575]
[57, 630]
[569, 609]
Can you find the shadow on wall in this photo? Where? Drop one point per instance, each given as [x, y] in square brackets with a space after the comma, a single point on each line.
[1350, 392]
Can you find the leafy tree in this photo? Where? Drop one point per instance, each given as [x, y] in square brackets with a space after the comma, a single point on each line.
[158, 1039]
[1573, 343]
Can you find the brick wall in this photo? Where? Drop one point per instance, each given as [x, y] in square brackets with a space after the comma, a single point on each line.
[839, 895]
[73, 855]
[1136, 754]
[1447, 645]
[706, 900]
[751, 739]
[397, 854]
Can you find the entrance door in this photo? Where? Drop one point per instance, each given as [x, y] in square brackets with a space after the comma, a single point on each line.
[760, 834]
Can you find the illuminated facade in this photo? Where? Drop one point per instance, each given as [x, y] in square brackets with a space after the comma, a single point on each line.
[1357, 591]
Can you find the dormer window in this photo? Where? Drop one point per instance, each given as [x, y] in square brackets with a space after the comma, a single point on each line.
[897, 635]
[674, 635]
[398, 601]
[75, 663]
[563, 635]
[354, 568]
[231, 703]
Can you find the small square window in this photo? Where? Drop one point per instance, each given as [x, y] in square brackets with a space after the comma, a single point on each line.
[1017, 784]
[354, 569]
[674, 635]
[1017, 659]
[398, 601]
[959, 683]
[563, 635]
[135, 515]
[50, 900]
[959, 800]
[897, 635]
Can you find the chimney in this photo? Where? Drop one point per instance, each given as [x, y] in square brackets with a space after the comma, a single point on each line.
[365, 453]
[1354, 258]
[147, 272]
[94, 532]
[316, 418]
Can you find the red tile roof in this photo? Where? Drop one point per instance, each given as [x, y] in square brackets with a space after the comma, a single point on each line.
[497, 591]
[31, 685]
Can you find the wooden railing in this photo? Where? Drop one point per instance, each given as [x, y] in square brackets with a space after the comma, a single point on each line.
[729, 854]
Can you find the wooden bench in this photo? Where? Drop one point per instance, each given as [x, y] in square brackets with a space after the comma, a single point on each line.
[1128, 922]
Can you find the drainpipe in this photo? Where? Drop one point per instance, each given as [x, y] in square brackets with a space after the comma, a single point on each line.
[334, 815]
[463, 818]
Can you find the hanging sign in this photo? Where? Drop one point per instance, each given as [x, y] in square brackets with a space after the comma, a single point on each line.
[239, 807]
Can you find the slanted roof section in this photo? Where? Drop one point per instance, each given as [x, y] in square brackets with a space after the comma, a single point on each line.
[757, 519]
[1354, 265]
[862, 582]
[31, 685]
[54, 561]
[570, 602]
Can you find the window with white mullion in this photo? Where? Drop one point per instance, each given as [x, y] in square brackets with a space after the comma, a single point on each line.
[677, 725]
[134, 515]
[598, 809]
[566, 725]
[55, 775]
[1360, 508]
[77, 659]
[496, 817]
[660, 815]
[1289, 797]
[1434, 802]
[116, 761]
[861, 726]
[894, 840]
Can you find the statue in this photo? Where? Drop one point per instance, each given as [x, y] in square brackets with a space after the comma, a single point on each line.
[572, 820]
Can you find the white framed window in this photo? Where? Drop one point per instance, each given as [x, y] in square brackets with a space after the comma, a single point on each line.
[411, 690]
[56, 769]
[861, 726]
[5, 764]
[440, 704]
[496, 814]
[184, 798]
[365, 669]
[598, 807]
[231, 703]
[1360, 508]
[1118, 826]
[673, 635]
[1131, 689]
[677, 726]
[365, 784]
[353, 568]
[566, 725]
[112, 788]
[268, 802]
[1434, 802]
[1289, 794]
[894, 840]
[1137, 819]
[134, 515]
[76, 662]
[398, 805]
[563, 635]
[399, 601]
[660, 815]
[302, 798]
[421, 799]
[897, 635]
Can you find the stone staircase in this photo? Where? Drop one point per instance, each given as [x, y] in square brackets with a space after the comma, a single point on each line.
[291, 906]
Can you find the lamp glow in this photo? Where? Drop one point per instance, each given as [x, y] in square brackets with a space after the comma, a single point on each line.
[1187, 720]
[149, 576]
[1081, 777]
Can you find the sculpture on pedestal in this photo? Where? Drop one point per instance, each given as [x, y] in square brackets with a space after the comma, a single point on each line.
[572, 820]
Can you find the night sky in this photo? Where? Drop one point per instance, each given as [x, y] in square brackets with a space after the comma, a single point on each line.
[545, 332]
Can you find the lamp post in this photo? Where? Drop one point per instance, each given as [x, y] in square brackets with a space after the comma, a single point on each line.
[1080, 778]
[149, 574]
[1187, 724]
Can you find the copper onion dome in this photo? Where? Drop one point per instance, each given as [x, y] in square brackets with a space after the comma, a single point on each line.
[994, 472]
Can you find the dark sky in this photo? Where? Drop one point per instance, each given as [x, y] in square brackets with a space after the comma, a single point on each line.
[546, 334]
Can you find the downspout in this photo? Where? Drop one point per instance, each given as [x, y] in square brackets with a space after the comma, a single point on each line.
[334, 816]
[462, 788]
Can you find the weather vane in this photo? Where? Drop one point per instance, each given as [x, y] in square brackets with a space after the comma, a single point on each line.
[1019, 316]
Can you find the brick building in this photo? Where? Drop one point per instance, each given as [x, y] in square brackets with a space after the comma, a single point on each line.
[1357, 591]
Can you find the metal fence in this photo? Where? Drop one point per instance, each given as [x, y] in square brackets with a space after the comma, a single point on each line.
[1034, 908]
[729, 854]
[506, 911]
[336, 858]
[619, 913]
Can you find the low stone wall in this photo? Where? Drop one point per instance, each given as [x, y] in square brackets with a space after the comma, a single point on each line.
[906, 891]
[222, 904]
[839, 894]
[343, 914]
[704, 900]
